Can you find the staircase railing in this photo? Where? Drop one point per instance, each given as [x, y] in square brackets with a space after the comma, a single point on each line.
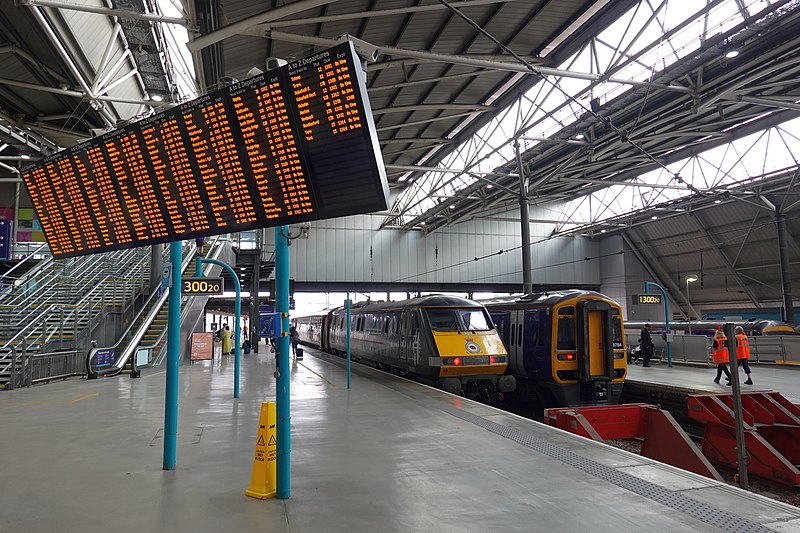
[72, 296]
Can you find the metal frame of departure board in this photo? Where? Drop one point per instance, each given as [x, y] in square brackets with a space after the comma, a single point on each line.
[294, 144]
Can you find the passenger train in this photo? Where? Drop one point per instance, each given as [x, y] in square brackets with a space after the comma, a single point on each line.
[565, 348]
[444, 341]
[752, 328]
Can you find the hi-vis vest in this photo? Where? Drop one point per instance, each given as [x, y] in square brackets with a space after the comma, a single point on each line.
[742, 347]
[720, 354]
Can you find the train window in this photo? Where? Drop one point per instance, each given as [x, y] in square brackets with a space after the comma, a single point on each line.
[513, 333]
[616, 332]
[566, 310]
[443, 319]
[566, 333]
[519, 335]
[474, 319]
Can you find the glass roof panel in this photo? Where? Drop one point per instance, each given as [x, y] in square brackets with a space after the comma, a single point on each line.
[648, 38]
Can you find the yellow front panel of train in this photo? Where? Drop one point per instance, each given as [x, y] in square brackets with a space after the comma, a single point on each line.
[471, 347]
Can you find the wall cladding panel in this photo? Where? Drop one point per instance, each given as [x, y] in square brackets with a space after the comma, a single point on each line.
[339, 250]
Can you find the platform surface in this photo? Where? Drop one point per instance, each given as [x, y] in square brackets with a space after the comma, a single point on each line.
[386, 455]
[784, 379]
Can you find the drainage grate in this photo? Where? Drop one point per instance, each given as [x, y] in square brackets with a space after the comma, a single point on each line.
[703, 512]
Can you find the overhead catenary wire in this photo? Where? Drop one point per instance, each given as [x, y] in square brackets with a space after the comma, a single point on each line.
[728, 236]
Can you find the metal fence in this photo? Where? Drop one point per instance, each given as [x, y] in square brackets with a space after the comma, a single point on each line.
[697, 348]
[27, 369]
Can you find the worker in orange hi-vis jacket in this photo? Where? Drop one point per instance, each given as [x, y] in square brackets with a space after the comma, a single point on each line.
[743, 353]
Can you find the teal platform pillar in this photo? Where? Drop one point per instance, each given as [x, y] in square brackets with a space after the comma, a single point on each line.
[283, 431]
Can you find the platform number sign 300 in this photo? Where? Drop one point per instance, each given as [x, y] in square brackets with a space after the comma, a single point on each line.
[202, 286]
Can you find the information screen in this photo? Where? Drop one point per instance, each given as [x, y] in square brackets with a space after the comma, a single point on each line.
[294, 144]
[202, 285]
[646, 299]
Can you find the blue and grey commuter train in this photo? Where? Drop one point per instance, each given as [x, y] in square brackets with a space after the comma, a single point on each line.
[444, 341]
[565, 347]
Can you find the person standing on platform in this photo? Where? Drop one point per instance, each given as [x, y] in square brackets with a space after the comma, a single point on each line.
[646, 342]
[719, 355]
[244, 332]
[294, 338]
[226, 340]
[743, 353]
[199, 242]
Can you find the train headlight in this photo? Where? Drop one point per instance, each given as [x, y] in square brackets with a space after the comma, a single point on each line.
[457, 361]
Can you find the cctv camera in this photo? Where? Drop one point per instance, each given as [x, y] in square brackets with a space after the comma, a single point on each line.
[254, 72]
[368, 51]
[275, 62]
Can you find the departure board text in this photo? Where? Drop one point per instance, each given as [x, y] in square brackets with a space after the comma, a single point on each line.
[291, 145]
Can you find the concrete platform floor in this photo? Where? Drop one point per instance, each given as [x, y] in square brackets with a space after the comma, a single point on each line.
[784, 379]
[388, 455]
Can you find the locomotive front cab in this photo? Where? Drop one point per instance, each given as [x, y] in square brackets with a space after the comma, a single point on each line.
[589, 350]
[469, 354]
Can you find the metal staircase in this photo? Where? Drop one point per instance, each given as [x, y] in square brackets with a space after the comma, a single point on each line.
[57, 305]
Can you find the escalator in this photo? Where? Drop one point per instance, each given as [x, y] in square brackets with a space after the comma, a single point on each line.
[144, 342]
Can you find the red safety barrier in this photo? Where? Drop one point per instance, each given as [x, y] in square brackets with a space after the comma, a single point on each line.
[664, 440]
[771, 431]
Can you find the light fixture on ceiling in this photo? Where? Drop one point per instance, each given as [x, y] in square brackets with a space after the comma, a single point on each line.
[690, 278]
[452, 206]
[157, 98]
[718, 201]
[580, 137]
[602, 231]
[489, 186]
[730, 54]
[654, 217]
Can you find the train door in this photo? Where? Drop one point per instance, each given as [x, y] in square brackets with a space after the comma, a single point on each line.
[594, 340]
[325, 326]
[515, 345]
[409, 337]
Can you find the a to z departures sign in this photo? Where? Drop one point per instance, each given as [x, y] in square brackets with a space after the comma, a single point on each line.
[294, 144]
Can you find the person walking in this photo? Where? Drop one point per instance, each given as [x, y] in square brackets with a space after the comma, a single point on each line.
[719, 354]
[646, 342]
[226, 340]
[743, 353]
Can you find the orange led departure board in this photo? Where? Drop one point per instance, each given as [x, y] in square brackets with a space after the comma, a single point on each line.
[294, 144]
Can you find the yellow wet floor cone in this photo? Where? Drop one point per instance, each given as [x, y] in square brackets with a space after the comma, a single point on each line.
[262, 480]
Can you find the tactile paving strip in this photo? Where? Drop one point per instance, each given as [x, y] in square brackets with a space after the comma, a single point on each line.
[724, 520]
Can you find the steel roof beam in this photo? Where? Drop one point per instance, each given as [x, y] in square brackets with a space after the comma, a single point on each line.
[467, 61]
[649, 261]
[728, 264]
[243, 25]
[110, 12]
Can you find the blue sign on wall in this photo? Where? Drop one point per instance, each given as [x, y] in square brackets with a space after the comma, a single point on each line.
[5, 238]
[270, 324]
[105, 357]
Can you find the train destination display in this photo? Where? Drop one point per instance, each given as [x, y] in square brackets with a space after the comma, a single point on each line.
[294, 144]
